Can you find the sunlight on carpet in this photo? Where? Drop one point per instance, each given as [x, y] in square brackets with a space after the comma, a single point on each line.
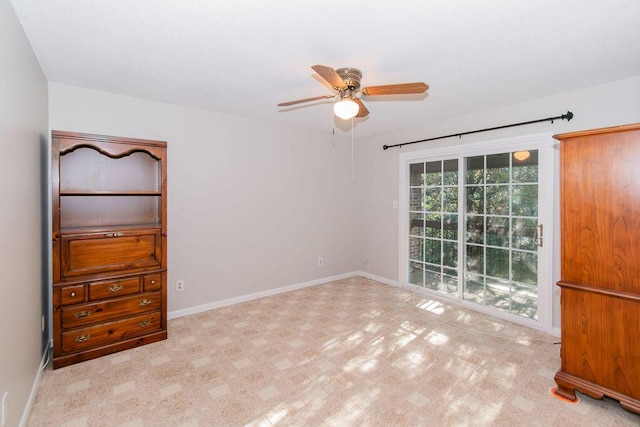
[347, 353]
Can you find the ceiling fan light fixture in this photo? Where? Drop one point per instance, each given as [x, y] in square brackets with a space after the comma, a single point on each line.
[346, 109]
[345, 83]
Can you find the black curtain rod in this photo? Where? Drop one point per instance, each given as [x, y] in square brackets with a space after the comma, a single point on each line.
[567, 116]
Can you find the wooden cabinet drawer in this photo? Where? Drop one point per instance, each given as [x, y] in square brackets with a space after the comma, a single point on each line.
[72, 294]
[152, 282]
[110, 252]
[85, 314]
[116, 288]
[111, 332]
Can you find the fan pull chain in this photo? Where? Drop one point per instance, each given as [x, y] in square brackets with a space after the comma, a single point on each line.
[353, 172]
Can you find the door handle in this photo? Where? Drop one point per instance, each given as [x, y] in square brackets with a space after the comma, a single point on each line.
[538, 235]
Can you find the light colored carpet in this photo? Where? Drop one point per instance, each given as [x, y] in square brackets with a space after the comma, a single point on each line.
[348, 353]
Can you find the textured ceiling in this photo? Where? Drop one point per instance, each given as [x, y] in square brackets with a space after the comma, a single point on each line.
[244, 57]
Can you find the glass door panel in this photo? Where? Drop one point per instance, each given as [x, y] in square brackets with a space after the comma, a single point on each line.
[433, 225]
[501, 216]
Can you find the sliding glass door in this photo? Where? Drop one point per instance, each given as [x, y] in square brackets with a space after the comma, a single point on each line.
[473, 230]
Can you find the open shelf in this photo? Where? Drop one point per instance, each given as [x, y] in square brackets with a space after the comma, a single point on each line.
[87, 171]
[109, 228]
[109, 210]
[110, 193]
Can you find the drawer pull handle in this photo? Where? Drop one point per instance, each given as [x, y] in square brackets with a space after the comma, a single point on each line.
[115, 288]
[72, 294]
[145, 302]
[144, 324]
[83, 338]
[153, 282]
[81, 314]
[115, 234]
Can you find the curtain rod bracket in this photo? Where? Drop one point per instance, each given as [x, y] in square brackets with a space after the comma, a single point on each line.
[568, 116]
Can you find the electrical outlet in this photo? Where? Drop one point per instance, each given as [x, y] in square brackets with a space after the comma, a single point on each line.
[4, 408]
[320, 261]
[180, 285]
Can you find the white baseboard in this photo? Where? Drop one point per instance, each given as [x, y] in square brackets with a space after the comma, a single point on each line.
[379, 279]
[244, 298]
[36, 385]
[555, 332]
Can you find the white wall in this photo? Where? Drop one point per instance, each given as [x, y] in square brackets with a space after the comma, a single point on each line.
[611, 104]
[23, 135]
[251, 205]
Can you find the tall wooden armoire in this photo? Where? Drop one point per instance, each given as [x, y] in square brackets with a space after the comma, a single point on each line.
[109, 200]
[600, 283]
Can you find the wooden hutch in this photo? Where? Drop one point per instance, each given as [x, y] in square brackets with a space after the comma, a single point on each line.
[109, 200]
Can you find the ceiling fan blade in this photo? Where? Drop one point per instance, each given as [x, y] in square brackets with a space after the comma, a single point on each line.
[330, 75]
[397, 89]
[300, 101]
[362, 111]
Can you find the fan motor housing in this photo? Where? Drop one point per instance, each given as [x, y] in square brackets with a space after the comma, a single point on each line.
[351, 77]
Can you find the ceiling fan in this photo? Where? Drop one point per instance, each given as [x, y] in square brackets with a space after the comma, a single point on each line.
[346, 82]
